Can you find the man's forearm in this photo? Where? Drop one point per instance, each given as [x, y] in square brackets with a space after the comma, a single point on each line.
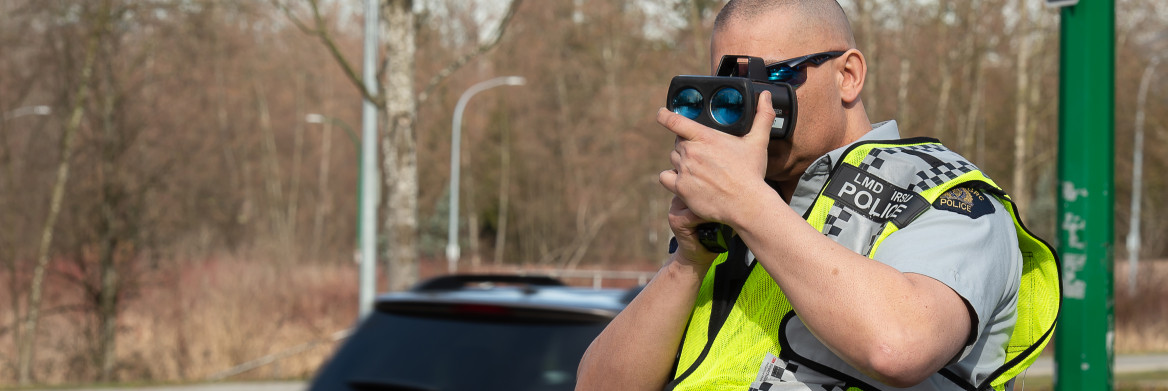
[893, 326]
[636, 351]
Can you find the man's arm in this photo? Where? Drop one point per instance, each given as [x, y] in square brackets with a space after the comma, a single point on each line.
[896, 327]
[637, 349]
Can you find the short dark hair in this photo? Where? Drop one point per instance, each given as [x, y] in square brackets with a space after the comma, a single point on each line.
[824, 10]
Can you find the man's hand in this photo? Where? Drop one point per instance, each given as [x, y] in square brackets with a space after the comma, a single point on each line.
[684, 224]
[712, 170]
[637, 349]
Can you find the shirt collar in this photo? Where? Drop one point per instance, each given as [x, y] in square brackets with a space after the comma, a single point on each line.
[886, 130]
[807, 190]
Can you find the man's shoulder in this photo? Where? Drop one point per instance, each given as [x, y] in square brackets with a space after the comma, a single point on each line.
[968, 201]
[966, 211]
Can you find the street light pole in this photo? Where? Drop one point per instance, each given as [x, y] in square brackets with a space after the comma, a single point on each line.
[1133, 233]
[452, 247]
[369, 170]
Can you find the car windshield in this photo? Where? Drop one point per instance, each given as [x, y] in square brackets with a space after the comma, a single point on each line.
[407, 352]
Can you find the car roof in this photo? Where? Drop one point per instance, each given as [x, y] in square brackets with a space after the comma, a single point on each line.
[514, 291]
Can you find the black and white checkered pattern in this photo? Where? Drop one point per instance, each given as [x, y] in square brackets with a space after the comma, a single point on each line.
[872, 160]
[780, 374]
[764, 386]
[767, 386]
[926, 148]
[836, 214]
[943, 173]
[929, 178]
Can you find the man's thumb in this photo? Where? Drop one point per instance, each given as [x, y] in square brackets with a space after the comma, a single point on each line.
[764, 118]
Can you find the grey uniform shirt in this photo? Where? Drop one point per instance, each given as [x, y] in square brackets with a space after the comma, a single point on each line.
[977, 257]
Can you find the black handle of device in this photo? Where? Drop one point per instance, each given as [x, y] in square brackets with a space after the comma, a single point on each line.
[713, 236]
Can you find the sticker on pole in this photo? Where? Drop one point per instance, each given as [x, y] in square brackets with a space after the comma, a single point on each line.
[1061, 3]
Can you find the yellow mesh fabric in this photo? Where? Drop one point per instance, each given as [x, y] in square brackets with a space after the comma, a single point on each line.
[750, 331]
[1038, 309]
[857, 154]
[695, 334]
[819, 213]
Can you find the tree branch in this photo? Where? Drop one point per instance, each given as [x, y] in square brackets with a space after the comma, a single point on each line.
[320, 31]
[483, 48]
[295, 21]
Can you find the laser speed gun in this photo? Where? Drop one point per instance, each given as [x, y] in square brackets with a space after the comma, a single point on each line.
[727, 103]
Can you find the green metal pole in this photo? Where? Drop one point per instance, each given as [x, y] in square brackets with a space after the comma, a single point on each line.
[1085, 334]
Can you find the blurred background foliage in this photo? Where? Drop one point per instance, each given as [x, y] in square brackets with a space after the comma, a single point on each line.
[191, 145]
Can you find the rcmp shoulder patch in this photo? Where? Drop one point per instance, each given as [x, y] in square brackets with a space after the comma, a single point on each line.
[965, 201]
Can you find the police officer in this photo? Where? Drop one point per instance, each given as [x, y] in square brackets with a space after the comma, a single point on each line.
[859, 260]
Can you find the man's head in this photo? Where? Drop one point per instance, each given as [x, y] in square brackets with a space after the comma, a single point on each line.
[830, 112]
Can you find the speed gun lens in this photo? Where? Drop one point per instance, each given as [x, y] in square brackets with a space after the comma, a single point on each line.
[688, 103]
[727, 106]
[727, 102]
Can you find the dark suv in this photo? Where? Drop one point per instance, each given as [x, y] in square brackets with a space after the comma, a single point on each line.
[474, 332]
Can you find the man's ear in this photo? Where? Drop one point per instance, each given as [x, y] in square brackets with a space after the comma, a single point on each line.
[852, 70]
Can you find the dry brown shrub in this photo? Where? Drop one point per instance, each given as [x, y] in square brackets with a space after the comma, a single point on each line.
[200, 318]
[1141, 319]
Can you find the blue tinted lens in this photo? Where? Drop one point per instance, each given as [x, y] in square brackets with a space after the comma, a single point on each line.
[783, 74]
[726, 106]
[688, 103]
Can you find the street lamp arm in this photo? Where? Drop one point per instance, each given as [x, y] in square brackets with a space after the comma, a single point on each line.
[452, 246]
[483, 86]
[28, 110]
[315, 118]
[349, 131]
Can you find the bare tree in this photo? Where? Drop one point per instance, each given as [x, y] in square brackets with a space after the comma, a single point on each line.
[398, 99]
[187, 149]
[18, 83]
[866, 10]
[399, 146]
[948, 54]
[1021, 188]
[100, 19]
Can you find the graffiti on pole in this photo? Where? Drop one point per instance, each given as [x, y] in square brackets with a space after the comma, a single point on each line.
[1074, 256]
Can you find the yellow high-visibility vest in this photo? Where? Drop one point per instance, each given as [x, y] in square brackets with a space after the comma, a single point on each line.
[740, 310]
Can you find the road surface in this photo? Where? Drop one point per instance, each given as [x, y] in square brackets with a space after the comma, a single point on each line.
[241, 386]
[1123, 364]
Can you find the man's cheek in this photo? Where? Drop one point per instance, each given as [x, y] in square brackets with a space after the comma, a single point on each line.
[778, 148]
[777, 165]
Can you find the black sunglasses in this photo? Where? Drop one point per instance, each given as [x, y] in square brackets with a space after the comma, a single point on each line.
[793, 71]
